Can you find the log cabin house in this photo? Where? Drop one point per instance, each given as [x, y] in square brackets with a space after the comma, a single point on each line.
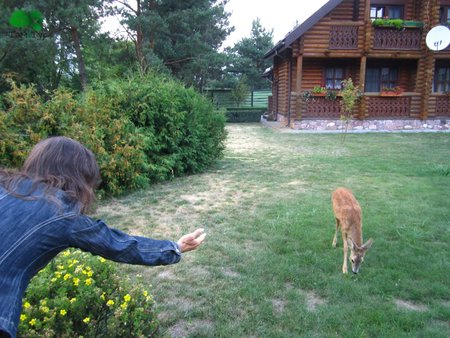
[341, 41]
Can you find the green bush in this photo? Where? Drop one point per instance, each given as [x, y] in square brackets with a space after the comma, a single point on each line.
[244, 114]
[78, 294]
[141, 130]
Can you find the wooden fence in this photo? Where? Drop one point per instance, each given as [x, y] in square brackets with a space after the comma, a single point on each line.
[222, 98]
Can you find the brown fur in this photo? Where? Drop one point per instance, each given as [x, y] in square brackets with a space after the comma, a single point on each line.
[348, 215]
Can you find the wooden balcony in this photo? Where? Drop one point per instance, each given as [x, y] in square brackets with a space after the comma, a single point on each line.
[320, 107]
[394, 39]
[376, 106]
[388, 107]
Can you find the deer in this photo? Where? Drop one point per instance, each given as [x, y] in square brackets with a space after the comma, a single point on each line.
[348, 215]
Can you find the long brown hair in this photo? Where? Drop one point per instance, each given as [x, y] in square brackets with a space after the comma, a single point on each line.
[60, 163]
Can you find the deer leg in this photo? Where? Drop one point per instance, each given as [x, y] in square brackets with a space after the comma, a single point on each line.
[335, 233]
[344, 265]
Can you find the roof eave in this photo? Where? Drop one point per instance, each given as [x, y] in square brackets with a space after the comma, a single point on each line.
[302, 28]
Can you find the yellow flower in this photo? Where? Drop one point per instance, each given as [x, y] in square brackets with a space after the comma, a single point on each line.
[58, 274]
[63, 312]
[43, 302]
[90, 273]
[66, 253]
[145, 293]
[60, 267]
[32, 322]
[127, 298]
[101, 259]
[67, 276]
[23, 317]
[54, 280]
[86, 320]
[45, 309]
[72, 300]
[124, 305]
[26, 305]
[76, 281]
[110, 302]
[88, 281]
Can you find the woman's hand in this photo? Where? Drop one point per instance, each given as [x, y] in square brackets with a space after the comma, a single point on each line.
[191, 241]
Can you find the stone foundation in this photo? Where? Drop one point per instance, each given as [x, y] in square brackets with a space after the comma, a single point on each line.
[370, 125]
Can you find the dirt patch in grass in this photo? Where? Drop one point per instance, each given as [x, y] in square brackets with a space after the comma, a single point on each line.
[278, 305]
[405, 305]
[228, 272]
[312, 300]
[194, 328]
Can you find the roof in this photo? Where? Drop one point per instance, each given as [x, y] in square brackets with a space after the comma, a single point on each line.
[299, 30]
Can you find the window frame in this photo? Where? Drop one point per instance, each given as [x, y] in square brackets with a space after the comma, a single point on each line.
[444, 15]
[337, 81]
[441, 86]
[389, 80]
[386, 9]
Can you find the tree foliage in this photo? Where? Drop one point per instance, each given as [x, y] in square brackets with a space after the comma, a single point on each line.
[247, 56]
[182, 38]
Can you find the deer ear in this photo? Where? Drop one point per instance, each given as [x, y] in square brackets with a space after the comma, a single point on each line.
[350, 243]
[368, 244]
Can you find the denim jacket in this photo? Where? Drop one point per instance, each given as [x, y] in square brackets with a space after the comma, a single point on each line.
[32, 232]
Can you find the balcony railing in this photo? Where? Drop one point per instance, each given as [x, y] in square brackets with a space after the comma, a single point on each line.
[344, 37]
[320, 107]
[390, 38]
[442, 105]
[388, 107]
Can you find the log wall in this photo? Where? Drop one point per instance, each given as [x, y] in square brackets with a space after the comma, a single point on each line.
[345, 38]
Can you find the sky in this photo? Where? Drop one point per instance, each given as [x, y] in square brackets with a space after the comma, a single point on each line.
[280, 15]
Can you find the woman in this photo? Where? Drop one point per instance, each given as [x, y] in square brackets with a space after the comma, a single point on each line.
[42, 212]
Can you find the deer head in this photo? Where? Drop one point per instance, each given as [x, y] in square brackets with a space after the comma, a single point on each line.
[357, 253]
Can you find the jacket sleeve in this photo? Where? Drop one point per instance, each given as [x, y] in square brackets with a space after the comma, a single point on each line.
[99, 239]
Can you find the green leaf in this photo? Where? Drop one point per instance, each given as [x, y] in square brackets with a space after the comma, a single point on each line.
[20, 19]
[36, 16]
[36, 27]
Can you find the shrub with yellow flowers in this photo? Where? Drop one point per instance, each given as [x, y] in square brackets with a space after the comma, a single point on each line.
[78, 294]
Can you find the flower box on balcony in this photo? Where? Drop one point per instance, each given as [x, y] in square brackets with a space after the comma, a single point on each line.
[412, 24]
[397, 23]
[391, 91]
[390, 94]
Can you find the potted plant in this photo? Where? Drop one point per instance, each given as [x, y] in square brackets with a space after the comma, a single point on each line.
[397, 23]
[319, 91]
[389, 23]
[391, 91]
[331, 95]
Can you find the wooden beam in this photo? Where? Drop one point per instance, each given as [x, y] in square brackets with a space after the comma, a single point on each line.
[362, 81]
[298, 87]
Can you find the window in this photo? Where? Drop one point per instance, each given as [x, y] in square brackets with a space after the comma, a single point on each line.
[383, 11]
[441, 79]
[444, 15]
[334, 77]
[378, 78]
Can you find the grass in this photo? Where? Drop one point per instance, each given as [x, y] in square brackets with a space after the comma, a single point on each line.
[267, 268]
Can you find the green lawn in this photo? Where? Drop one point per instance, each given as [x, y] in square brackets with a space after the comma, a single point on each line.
[267, 268]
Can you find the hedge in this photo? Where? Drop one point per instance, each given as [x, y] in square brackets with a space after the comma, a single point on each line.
[142, 130]
[244, 114]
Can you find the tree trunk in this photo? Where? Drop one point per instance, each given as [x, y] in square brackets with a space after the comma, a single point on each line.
[81, 68]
